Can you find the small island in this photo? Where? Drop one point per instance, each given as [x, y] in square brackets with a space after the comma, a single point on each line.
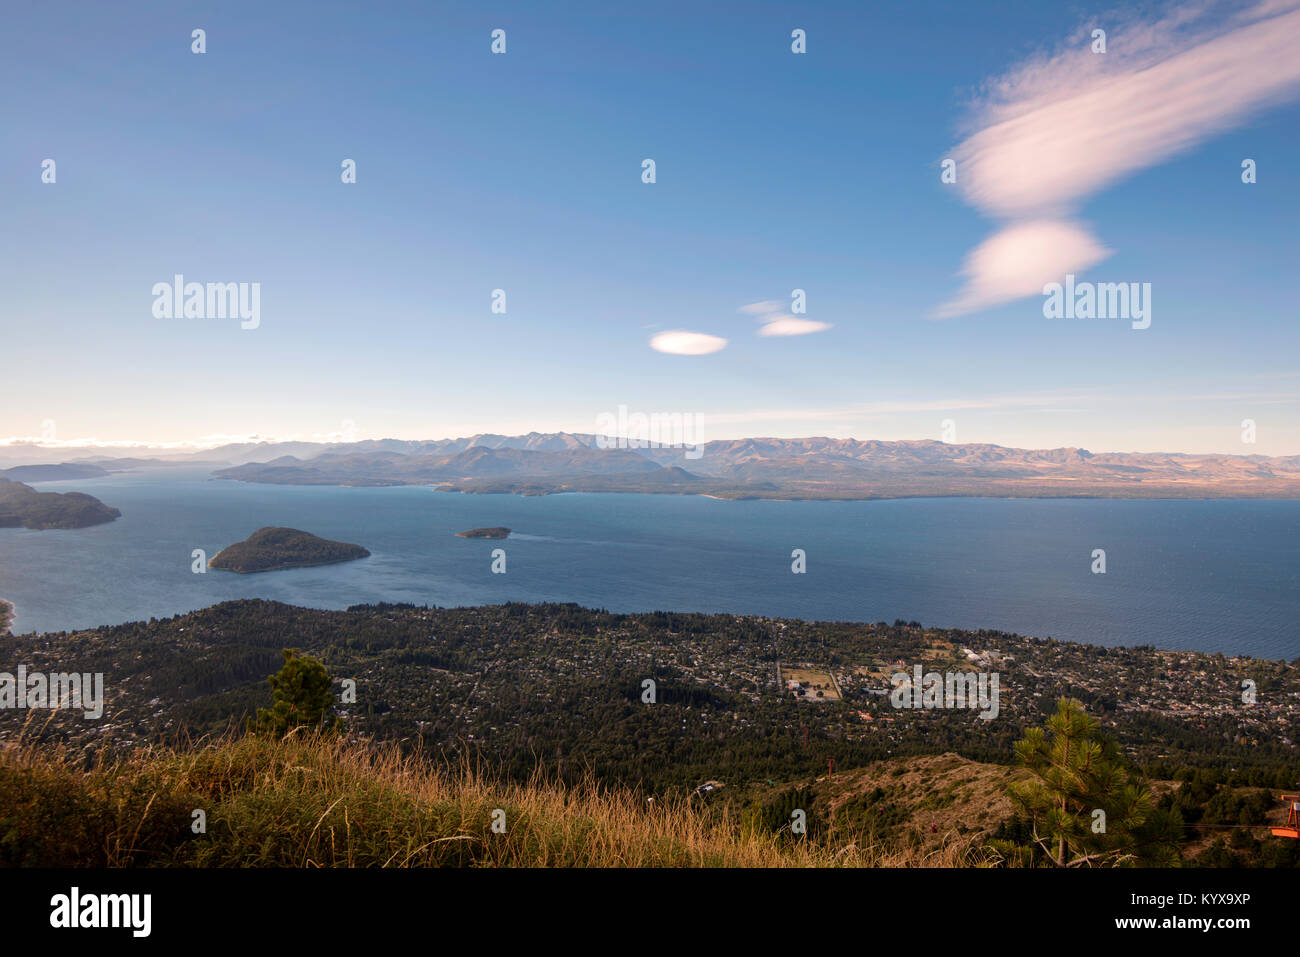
[495, 532]
[22, 505]
[271, 548]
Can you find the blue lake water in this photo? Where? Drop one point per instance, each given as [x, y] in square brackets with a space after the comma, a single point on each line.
[1202, 575]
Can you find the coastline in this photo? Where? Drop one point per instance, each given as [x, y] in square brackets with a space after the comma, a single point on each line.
[1154, 493]
[278, 568]
[8, 613]
[968, 630]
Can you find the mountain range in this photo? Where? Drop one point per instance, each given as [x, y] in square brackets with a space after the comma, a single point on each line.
[801, 468]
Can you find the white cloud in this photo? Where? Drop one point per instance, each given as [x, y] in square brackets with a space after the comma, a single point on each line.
[765, 308]
[1058, 128]
[778, 322]
[1017, 261]
[790, 326]
[682, 343]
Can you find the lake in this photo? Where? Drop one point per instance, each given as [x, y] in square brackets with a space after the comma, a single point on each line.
[1200, 575]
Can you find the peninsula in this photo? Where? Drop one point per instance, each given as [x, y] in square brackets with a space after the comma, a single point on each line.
[21, 505]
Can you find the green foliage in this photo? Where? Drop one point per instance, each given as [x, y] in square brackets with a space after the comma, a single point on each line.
[1235, 807]
[1243, 850]
[774, 813]
[53, 814]
[873, 815]
[1083, 806]
[303, 692]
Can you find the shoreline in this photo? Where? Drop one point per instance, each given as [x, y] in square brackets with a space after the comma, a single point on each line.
[1158, 495]
[280, 568]
[8, 615]
[1235, 656]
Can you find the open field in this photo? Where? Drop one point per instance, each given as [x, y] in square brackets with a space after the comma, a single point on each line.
[819, 684]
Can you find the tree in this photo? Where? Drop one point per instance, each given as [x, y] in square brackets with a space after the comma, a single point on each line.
[303, 693]
[1083, 806]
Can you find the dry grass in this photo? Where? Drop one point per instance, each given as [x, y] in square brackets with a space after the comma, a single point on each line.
[326, 801]
[947, 805]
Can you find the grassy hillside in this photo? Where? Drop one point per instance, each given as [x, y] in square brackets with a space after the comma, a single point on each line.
[924, 803]
[332, 802]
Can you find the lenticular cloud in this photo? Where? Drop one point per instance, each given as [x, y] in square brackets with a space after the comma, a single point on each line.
[1057, 129]
[682, 343]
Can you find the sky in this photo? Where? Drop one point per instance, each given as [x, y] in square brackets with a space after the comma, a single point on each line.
[774, 171]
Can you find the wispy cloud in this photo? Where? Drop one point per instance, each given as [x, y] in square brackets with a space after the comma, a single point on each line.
[186, 445]
[777, 321]
[891, 407]
[1072, 402]
[1060, 127]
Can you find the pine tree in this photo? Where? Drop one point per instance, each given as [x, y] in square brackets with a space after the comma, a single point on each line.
[303, 696]
[1078, 771]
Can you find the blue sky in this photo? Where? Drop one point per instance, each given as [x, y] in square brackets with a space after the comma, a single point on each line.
[522, 171]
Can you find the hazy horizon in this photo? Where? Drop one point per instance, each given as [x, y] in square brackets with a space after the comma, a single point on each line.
[126, 448]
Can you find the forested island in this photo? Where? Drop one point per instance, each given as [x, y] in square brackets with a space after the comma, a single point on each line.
[497, 531]
[21, 505]
[272, 548]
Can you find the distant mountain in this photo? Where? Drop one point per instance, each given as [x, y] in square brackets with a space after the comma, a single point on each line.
[270, 548]
[113, 458]
[22, 505]
[806, 468]
[53, 473]
[245, 452]
[125, 464]
[444, 466]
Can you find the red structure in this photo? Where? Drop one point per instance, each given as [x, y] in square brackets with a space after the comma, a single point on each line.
[1292, 829]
